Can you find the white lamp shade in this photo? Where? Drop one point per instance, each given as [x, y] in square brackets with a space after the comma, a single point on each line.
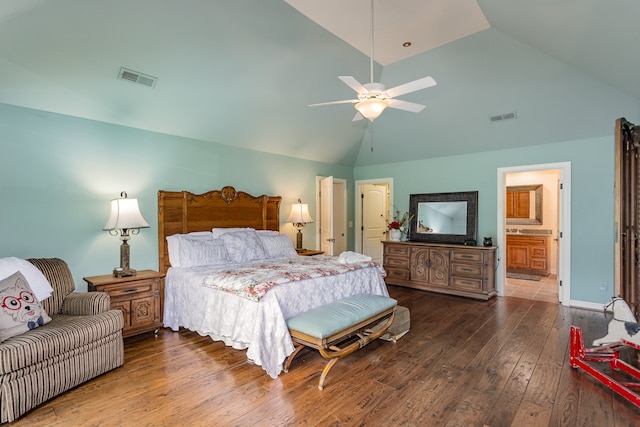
[125, 214]
[299, 214]
[371, 108]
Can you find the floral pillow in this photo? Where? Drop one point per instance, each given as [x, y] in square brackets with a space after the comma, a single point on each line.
[20, 311]
[243, 246]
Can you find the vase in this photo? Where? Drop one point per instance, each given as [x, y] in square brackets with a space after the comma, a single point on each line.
[395, 234]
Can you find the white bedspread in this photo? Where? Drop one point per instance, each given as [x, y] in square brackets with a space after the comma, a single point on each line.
[260, 327]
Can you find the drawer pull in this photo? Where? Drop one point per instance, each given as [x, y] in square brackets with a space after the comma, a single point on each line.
[130, 290]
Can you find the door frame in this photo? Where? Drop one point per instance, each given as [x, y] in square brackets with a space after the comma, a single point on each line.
[564, 249]
[358, 205]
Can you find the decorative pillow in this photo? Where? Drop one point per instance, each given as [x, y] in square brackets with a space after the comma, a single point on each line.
[278, 246]
[20, 311]
[38, 282]
[198, 252]
[243, 246]
[267, 232]
[219, 231]
[173, 244]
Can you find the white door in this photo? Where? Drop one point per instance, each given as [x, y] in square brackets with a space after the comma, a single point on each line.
[374, 219]
[326, 216]
[339, 216]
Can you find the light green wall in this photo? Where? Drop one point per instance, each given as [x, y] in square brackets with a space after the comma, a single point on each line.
[592, 170]
[58, 174]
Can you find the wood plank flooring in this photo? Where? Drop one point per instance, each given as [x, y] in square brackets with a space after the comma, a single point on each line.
[464, 363]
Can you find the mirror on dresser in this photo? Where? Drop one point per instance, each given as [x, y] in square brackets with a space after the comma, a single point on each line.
[524, 204]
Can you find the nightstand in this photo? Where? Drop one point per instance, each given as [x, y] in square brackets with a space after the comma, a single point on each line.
[309, 252]
[139, 297]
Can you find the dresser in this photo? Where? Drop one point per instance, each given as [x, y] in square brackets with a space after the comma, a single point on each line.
[467, 271]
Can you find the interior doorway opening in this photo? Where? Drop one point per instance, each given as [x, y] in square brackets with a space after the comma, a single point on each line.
[525, 253]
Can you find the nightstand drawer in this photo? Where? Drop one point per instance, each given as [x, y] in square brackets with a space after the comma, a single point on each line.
[132, 290]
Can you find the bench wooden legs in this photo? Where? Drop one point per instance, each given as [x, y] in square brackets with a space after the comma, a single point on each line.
[335, 352]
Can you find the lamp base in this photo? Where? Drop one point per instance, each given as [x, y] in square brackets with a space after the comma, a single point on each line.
[120, 272]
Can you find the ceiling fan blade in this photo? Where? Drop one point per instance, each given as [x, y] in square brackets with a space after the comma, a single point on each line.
[422, 83]
[404, 105]
[354, 84]
[346, 101]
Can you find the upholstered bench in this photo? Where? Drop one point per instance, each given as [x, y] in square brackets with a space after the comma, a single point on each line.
[339, 328]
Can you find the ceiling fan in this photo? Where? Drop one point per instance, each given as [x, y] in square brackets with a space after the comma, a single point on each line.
[374, 98]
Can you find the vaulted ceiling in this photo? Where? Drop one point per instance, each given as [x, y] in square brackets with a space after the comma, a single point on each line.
[243, 72]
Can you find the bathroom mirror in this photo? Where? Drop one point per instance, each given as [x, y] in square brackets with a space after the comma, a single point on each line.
[524, 204]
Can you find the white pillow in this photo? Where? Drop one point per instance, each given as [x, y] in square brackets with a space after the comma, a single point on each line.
[243, 246]
[217, 232]
[267, 232]
[39, 284]
[199, 252]
[173, 244]
[278, 246]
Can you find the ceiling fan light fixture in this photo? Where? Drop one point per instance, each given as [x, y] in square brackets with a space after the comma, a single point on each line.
[371, 108]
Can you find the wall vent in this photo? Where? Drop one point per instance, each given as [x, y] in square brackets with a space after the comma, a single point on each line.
[136, 77]
[506, 116]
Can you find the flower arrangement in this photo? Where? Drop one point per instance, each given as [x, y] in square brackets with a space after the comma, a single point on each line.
[400, 222]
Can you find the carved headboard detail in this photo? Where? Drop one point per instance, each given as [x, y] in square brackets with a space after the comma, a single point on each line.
[181, 212]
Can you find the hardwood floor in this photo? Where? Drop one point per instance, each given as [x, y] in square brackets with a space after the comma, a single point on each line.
[463, 363]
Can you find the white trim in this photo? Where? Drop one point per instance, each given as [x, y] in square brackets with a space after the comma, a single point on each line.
[564, 262]
[358, 207]
[587, 305]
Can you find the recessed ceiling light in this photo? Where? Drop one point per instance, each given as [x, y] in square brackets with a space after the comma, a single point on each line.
[406, 44]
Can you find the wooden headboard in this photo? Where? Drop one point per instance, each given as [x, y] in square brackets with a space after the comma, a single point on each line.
[181, 212]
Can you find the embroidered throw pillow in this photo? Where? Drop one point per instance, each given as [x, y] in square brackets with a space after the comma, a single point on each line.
[278, 246]
[243, 246]
[20, 311]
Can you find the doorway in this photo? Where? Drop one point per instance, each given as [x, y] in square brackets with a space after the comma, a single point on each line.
[331, 212]
[548, 274]
[373, 204]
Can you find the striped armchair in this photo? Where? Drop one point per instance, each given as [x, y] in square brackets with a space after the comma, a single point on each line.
[83, 340]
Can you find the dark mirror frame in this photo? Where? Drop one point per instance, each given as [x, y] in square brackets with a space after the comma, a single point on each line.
[471, 197]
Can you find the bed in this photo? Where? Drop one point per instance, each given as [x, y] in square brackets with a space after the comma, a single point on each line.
[249, 317]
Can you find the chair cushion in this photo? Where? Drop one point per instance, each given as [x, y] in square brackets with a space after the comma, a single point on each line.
[64, 334]
[20, 311]
[335, 316]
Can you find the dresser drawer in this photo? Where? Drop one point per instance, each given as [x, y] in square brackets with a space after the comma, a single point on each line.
[466, 283]
[397, 250]
[397, 273]
[468, 256]
[396, 262]
[473, 270]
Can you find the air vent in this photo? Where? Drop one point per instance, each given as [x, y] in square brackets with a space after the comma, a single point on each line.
[506, 116]
[136, 77]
